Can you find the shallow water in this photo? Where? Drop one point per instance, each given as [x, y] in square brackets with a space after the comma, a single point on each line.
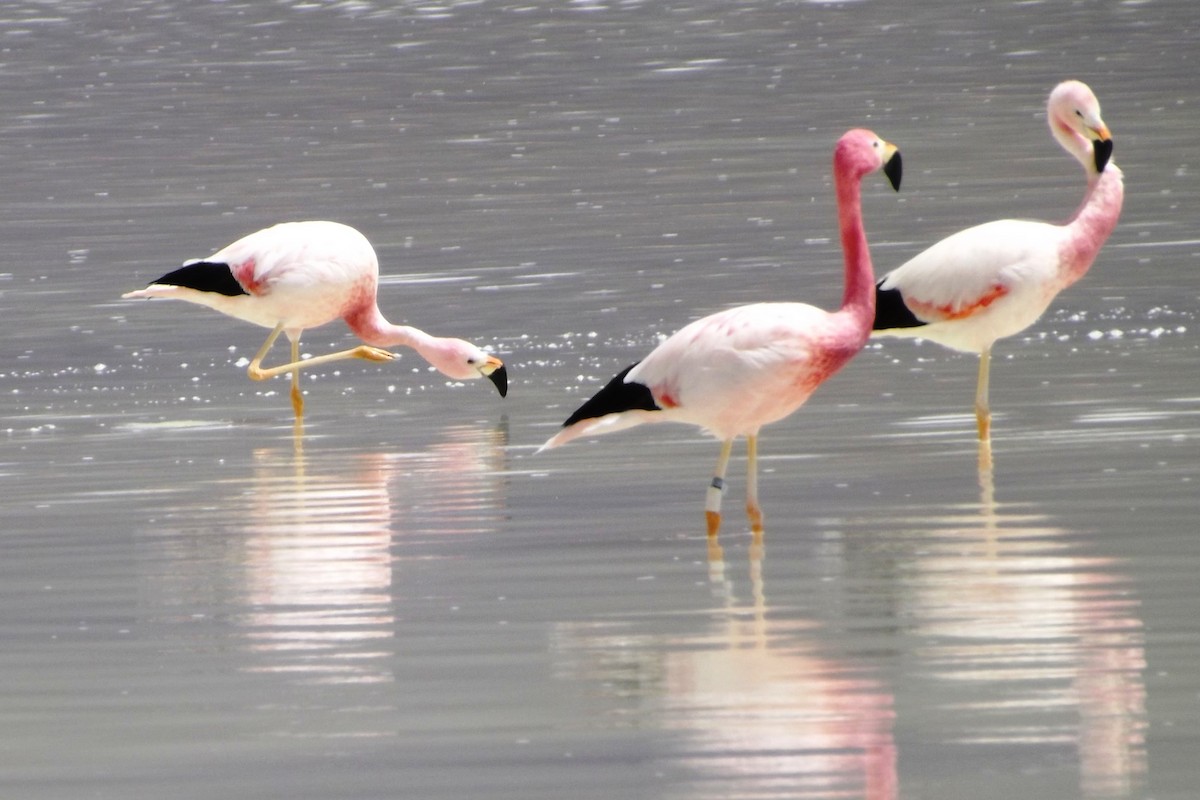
[401, 599]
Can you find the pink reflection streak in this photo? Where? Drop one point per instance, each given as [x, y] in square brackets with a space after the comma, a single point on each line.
[318, 563]
[763, 712]
[776, 719]
[1006, 605]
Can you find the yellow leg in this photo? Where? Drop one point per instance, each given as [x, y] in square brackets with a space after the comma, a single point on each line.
[753, 509]
[712, 500]
[983, 414]
[255, 370]
[258, 373]
[297, 396]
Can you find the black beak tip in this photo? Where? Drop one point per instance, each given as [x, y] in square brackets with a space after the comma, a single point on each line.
[894, 168]
[1102, 152]
[499, 379]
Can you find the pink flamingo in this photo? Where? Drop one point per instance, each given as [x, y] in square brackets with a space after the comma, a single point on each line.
[737, 370]
[994, 280]
[300, 275]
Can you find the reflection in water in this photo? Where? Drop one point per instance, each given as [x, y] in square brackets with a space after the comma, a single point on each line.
[317, 567]
[1025, 642]
[761, 710]
[308, 537]
[1017, 627]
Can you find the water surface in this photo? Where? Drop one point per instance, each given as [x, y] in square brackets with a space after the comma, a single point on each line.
[403, 600]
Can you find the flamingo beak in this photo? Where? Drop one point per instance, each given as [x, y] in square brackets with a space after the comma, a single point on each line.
[1102, 144]
[494, 370]
[893, 165]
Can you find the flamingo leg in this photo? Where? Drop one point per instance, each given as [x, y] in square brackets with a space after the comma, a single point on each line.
[983, 414]
[297, 397]
[753, 509]
[258, 373]
[255, 370]
[712, 500]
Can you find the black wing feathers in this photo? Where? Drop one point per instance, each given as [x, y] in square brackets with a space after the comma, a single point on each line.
[890, 311]
[615, 397]
[205, 276]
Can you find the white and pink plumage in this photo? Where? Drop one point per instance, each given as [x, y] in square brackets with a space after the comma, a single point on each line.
[994, 280]
[299, 275]
[735, 371]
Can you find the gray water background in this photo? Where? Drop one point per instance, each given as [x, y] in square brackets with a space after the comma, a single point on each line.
[406, 602]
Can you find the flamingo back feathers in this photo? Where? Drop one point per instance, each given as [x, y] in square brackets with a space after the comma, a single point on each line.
[891, 312]
[204, 276]
[619, 395]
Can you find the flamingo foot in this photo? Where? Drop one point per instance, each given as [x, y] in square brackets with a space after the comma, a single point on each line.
[368, 353]
[716, 553]
[297, 402]
[983, 421]
[754, 512]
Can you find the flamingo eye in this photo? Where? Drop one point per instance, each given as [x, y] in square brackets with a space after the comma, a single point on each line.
[1079, 113]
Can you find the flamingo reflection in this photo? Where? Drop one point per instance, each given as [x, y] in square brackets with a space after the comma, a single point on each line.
[319, 565]
[1016, 625]
[762, 711]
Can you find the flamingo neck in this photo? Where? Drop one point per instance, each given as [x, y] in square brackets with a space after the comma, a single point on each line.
[1093, 180]
[373, 327]
[1092, 223]
[859, 296]
[1082, 150]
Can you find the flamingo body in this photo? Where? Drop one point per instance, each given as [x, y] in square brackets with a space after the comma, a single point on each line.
[735, 371]
[300, 275]
[1014, 275]
[729, 373]
[994, 280]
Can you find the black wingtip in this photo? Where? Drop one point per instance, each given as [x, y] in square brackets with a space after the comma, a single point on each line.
[1102, 152]
[499, 379]
[204, 276]
[614, 398]
[891, 312]
[894, 169]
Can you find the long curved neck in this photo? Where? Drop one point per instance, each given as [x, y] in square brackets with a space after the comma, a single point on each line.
[1093, 222]
[1080, 149]
[370, 325]
[859, 295]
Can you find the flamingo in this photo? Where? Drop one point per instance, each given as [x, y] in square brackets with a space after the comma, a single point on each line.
[735, 371]
[994, 280]
[299, 275]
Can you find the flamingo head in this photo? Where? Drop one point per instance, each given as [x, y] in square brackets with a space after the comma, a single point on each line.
[860, 152]
[464, 361]
[1074, 115]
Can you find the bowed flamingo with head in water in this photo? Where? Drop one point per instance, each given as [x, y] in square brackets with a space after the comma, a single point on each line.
[299, 275]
